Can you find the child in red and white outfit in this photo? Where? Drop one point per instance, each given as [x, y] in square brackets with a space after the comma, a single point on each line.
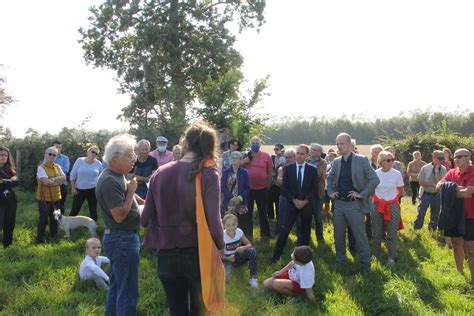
[238, 249]
[297, 277]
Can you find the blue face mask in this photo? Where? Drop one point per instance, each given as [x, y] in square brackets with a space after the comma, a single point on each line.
[161, 149]
[255, 148]
[282, 160]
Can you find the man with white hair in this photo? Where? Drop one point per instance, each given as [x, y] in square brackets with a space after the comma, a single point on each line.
[162, 154]
[118, 201]
[144, 167]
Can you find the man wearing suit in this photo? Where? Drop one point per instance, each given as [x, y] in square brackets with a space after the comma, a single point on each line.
[351, 184]
[300, 184]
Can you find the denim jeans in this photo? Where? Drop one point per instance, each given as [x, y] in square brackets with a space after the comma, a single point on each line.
[178, 270]
[432, 201]
[123, 248]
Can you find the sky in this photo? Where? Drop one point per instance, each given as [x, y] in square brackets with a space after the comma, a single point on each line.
[326, 58]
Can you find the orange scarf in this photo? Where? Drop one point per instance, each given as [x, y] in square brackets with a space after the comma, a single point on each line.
[384, 208]
[210, 263]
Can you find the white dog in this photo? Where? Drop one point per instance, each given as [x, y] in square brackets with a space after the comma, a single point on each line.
[68, 223]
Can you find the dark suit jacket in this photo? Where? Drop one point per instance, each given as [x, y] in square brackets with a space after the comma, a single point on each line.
[290, 185]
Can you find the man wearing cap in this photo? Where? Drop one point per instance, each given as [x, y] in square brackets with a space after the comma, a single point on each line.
[429, 176]
[162, 155]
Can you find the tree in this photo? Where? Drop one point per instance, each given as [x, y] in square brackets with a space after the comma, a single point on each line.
[163, 51]
[5, 98]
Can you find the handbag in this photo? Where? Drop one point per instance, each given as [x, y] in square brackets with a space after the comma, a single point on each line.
[210, 263]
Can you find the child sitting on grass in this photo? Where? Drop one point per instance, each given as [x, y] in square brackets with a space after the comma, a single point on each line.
[90, 268]
[238, 249]
[296, 277]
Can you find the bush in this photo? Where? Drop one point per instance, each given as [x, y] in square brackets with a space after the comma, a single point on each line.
[428, 142]
[32, 147]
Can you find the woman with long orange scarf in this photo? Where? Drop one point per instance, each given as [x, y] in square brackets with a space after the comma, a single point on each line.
[387, 214]
[183, 222]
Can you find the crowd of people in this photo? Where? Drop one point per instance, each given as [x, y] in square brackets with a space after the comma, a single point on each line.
[162, 190]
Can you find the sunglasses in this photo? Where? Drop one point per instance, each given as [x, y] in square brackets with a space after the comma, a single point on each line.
[94, 152]
[389, 160]
[51, 154]
[276, 148]
[460, 156]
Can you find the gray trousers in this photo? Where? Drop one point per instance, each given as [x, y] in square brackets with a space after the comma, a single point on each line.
[350, 214]
[391, 228]
[99, 282]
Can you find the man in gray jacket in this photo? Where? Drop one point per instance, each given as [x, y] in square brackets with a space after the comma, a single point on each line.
[351, 183]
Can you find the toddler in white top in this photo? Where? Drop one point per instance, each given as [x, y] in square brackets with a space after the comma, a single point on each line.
[297, 277]
[238, 250]
[90, 268]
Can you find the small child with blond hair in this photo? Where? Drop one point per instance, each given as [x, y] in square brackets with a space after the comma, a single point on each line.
[297, 277]
[238, 249]
[90, 268]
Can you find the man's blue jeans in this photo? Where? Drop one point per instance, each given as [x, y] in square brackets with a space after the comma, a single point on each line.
[432, 201]
[123, 248]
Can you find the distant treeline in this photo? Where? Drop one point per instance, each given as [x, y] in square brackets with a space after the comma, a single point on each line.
[367, 130]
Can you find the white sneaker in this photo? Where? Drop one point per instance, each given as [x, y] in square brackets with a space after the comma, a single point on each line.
[253, 283]
[390, 262]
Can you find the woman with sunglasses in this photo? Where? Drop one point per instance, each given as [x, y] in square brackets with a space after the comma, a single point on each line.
[50, 177]
[84, 175]
[386, 211]
[8, 202]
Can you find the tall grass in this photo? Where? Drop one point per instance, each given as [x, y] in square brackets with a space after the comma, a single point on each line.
[43, 279]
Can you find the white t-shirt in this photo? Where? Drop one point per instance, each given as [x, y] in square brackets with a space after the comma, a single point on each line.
[302, 274]
[389, 181]
[41, 173]
[89, 267]
[232, 243]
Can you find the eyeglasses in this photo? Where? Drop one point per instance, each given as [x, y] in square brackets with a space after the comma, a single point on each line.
[389, 160]
[276, 148]
[94, 152]
[460, 156]
[51, 154]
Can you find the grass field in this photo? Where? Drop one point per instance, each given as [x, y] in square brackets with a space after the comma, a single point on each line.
[43, 280]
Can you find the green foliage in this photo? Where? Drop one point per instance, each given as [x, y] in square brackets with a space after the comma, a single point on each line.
[43, 280]
[33, 145]
[428, 142]
[163, 51]
[366, 130]
[224, 106]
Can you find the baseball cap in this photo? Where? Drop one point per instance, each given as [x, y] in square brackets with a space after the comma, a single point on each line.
[439, 154]
[162, 139]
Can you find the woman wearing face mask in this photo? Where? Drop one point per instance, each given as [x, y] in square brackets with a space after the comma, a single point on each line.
[8, 202]
[161, 153]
